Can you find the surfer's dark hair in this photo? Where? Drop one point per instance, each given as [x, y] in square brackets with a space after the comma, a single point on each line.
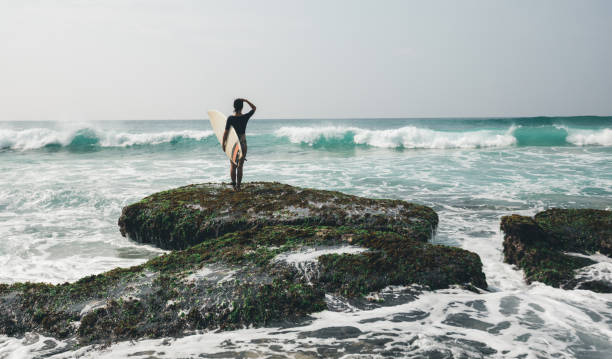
[238, 105]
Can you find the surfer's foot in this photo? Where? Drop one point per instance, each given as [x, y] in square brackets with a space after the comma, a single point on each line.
[234, 185]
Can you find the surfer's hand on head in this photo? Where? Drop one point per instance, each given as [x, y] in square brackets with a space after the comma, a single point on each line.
[249, 103]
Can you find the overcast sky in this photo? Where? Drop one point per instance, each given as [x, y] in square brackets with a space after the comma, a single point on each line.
[95, 60]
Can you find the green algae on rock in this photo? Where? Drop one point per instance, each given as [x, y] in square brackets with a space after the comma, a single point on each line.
[179, 218]
[240, 269]
[539, 245]
[167, 296]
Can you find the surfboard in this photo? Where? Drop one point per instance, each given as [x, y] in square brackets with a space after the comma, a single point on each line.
[233, 149]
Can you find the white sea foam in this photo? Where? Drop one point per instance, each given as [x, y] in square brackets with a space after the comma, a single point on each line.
[405, 137]
[597, 272]
[597, 257]
[310, 254]
[600, 271]
[216, 273]
[601, 137]
[305, 258]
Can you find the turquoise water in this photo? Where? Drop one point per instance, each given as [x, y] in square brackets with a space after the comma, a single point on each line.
[63, 186]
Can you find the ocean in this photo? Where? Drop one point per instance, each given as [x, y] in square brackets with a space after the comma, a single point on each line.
[63, 185]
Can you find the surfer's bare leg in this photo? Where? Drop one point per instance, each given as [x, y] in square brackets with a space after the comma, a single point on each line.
[243, 144]
[233, 174]
[239, 172]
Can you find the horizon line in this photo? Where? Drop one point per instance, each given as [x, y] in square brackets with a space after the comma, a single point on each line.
[333, 118]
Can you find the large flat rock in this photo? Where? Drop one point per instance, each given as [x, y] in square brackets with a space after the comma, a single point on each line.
[182, 217]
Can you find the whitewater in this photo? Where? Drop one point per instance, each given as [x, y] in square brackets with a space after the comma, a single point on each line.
[62, 187]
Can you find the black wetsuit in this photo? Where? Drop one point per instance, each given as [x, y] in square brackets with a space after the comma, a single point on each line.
[239, 122]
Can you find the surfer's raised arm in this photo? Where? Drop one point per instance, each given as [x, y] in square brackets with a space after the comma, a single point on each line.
[253, 107]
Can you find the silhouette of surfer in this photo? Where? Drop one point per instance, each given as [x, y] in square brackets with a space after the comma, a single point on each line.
[239, 122]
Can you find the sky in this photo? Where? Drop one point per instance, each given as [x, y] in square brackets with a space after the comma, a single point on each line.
[151, 59]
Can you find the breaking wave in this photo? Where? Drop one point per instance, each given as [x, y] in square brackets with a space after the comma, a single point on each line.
[405, 137]
[327, 137]
[411, 137]
[85, 138]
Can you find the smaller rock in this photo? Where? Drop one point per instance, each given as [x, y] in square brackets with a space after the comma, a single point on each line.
[539, 245]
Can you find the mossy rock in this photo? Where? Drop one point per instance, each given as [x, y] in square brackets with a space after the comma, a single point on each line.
[219, 283]
[240, 276]
[538, 245]
[182, 217]
[230, 282]
[578, 230]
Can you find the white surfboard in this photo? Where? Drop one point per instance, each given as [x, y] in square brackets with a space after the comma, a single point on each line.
[233, 149]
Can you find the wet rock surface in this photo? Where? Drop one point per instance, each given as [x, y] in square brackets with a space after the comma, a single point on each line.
[553, 245]
[179, 218]
[231, 266]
